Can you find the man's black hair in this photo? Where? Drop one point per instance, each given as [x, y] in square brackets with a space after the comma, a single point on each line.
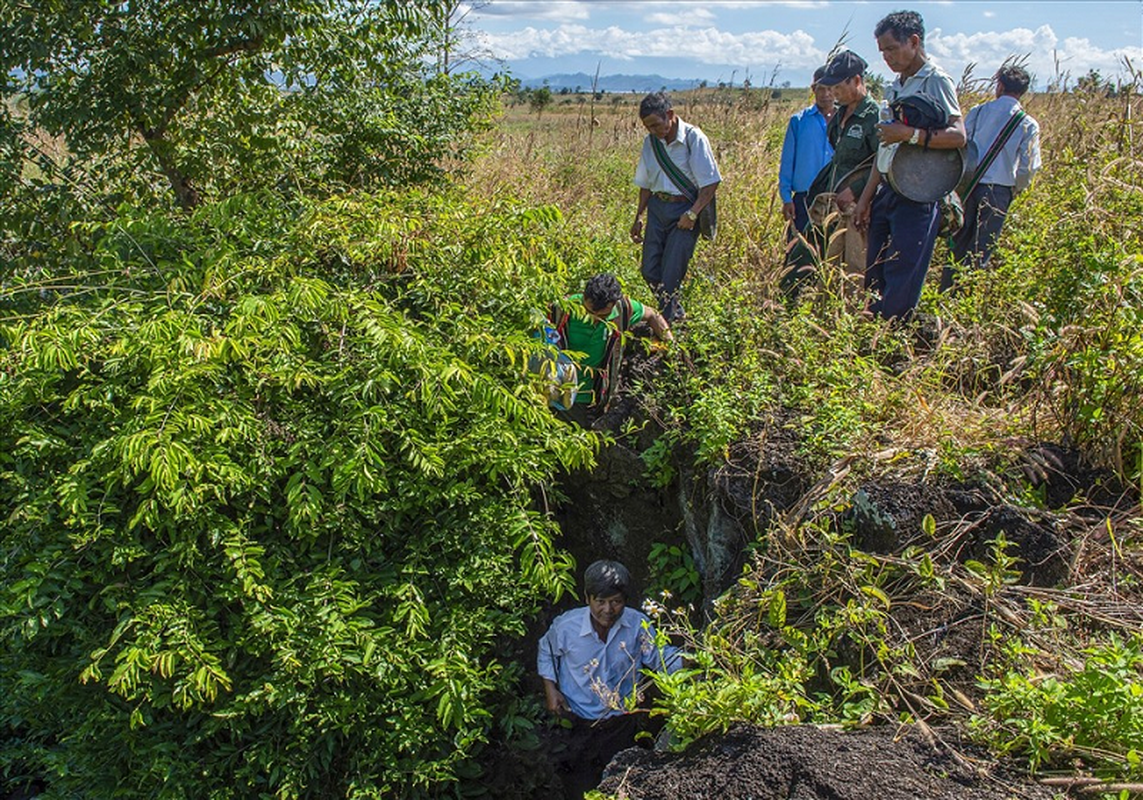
[902, 24]
[1013, 80]
[602, 290]
[655, 103]
[606, 578]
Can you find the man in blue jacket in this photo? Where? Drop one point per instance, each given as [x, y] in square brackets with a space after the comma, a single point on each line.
[805, 150]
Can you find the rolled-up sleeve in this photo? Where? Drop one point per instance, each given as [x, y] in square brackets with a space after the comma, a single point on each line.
[1028, 161]
[786, 165]
[546, 656]
[659, 658]
[702, 161]
[643, 177]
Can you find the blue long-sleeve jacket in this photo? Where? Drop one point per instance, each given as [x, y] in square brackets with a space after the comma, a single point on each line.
[805, 151]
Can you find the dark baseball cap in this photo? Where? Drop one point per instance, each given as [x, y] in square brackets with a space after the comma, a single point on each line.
[842, 67]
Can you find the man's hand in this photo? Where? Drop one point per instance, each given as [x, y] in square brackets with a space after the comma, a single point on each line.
[894, 132]
[637, 231]
[554, 699]
[685, 223]
[788, 211]
[660, 329]
[844, 199]
[861, 213]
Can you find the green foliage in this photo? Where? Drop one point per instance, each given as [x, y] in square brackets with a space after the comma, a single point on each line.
[539, 99]
[723, 381]
[674, 574]
[813, 640]
[220, 96]
[268, 478]
[731, 680]
[1094, 710]
[1000, 572]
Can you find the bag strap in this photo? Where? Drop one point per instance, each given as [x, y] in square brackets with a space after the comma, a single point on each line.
[558, 317]
[677, 176]
[994, 150]
[607, 375]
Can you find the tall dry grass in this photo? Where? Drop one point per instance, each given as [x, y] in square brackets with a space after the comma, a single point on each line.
[1008, 358]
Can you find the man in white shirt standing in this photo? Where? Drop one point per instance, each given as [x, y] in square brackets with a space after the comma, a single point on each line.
[1015, 164]
[673, 194]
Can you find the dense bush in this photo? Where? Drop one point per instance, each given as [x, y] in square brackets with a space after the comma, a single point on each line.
[267, 474]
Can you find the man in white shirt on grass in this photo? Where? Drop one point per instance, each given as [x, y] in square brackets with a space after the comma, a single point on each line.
[673, 194]
[1010, 173]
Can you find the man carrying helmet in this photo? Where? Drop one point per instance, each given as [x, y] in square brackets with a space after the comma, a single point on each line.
[901, 231]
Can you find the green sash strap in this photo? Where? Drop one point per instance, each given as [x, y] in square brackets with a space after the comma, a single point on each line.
[708, 217]
[677, 176]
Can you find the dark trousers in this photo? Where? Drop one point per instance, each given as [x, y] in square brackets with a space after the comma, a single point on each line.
[902, 234]
[801, 214]
[984, 211]
[802, 257]
[580, 753]
[667, 252]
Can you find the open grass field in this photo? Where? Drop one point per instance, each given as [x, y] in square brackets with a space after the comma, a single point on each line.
[1045, 346]
[1042, 354]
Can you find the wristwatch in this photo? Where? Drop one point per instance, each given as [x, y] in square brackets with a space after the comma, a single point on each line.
[692, 216]
[916, 136]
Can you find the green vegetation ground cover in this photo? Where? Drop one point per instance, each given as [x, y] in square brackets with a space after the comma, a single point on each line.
[1045, 347]
[269, 460]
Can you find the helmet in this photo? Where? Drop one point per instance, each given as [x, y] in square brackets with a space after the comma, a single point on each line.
[920, 111]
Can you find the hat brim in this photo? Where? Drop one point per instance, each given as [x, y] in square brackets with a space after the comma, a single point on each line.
[832, 80]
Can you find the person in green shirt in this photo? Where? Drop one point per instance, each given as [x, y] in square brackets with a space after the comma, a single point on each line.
[592, 330]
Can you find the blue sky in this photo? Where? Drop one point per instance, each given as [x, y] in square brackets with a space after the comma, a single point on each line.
[784, 40]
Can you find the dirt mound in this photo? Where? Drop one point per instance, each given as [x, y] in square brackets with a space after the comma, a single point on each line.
[807, 763]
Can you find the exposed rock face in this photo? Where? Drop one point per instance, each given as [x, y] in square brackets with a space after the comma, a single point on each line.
[620, 512]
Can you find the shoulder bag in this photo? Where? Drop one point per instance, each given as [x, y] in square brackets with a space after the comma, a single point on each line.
[708, 217]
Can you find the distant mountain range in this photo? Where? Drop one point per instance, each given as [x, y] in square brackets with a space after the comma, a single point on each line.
[610, 83]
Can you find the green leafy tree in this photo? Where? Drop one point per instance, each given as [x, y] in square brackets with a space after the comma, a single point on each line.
[875, 83]
[267, 474]
[224, 95]
[539, 99]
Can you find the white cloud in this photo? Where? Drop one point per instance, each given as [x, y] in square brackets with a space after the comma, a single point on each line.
[1042, 47]
[693, 16]
[706, 45]
[696, 48]
[547, 10]
[738, 4]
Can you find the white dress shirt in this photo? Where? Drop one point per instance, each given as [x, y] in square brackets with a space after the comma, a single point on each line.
[691, 152]
[598, 679]
[1019, 160]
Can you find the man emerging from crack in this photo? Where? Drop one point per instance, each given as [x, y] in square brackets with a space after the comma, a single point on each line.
[591, 660]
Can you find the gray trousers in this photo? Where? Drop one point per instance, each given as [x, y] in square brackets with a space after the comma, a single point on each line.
[984, 211]
[667, 252]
